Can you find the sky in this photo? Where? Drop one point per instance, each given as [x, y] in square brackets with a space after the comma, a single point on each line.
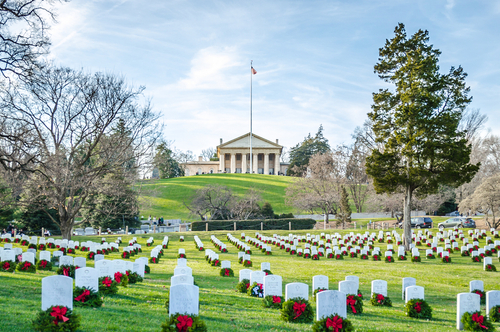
[314, 59]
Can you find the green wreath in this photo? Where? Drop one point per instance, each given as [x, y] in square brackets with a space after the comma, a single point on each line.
[318, 290]
[247, 263]
[121, 279]
[465, 253]
[147, 269]
[415, 259]
[107, 286]
[90, 255]
[333, 323]
[389, 259]
[84, 297]
[133, 277]
[32, 246]
[267, 272]
[66, 270]
[482, 295]
[256, 290]
[476, 259]
[418, 308]
[181, 256]
[26, 267]
[62, 320]
[8, 266]
[490, 268]
[215, 262]
[446, 259]
[180, 322]
[242, 286]
[226, 272]
[354, 304]
[297, 310]
[379, 300]
[494, 314]
[44, 265]
[376, 257]
[154, 260]
[273, 301]
[476, 322]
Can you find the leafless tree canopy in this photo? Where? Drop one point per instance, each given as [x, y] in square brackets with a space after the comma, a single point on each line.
[208, 153]
[485, 199]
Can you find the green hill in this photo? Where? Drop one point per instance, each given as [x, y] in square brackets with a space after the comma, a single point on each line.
[166, 197]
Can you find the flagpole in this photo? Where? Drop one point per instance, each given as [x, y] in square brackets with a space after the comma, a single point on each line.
[251, 156]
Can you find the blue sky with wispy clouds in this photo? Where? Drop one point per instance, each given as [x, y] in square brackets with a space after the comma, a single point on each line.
[314, 59]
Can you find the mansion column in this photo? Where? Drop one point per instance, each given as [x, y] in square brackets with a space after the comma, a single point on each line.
[255, 163]
[277, 163]
[233, 162]
[221, 162]
[243, 163]
[266, 163]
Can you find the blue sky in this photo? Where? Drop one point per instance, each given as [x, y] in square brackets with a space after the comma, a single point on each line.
[314, 59]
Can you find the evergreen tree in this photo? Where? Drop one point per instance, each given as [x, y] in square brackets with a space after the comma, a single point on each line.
[302, 152]
[165, 162]
[267, 211]
[344, 213]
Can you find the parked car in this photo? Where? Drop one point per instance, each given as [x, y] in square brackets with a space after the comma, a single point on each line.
[457, 222]
[453, 214]
[418, 222]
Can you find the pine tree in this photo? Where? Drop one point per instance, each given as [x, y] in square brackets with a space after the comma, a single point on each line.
[344, 214]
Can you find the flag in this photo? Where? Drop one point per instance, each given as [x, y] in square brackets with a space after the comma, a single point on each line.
[254, 71]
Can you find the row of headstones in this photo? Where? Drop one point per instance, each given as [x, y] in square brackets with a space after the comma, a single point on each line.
[198, 242]
[238, 243]
[218, 243]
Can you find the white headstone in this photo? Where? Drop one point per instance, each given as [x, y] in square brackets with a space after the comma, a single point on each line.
[98, 257]
[348, 287]
[181, 262]
[257, 276]
[466, 302]
[28, 257]
[297, 289]
[320, 282]
[273, 285]
[139, 267]
[183, 270]
[245, 274]
[265, 266]
[66, 260]
[105, 268]
[45, 255]
[492, 299]
[406, 283]
[379, 287]
[87, 277]
[57, 290]
[414, 292]
[225, 264]
[476, 284]
[355, 279]
[184, 299]
[181, 279]
[329, 303]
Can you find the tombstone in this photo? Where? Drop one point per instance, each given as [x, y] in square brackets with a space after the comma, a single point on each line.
[320, 282]
[183, 270]
[129, 266]
[98, 257]
[329, 303]
[273, 285]
[80, 262]
[348, 287]
[181, 279]
[355, 279]
[105, 268]
[466, 302]
[379, 287]
[487, 260]
[492, 299]
[119, 266]
[87, 277]
[476, 284]
[297, 289]
[407, 282]
[144, 260]
[45, 255]
[245, 274]
[57, 290]
[8, 255]
[184, 299]
[265, 266]
[181, 262]
[225, 264]
[66, 260]
[28, 257]
[8, 246]
[33, 251]
[257, 276]
[414, 292]
[138, 267]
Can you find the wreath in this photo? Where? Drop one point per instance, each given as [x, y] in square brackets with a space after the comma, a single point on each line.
[26, 267]
[297, 310]
[494, 314]
[63, 250]
[44, 265]
[318, 290]
[353, 255]
[181, 239]
[90, 255]
[71, 251]
[339, 256]
[107, 286]
[418, 308]
[126, 254]
[256, 290]
[32, 246]
[133, 277]
[430, 256]
[476, 322]
[354, 304]
[376, 257]
[379, 300]
[247, 263]
[226, 272]
[490, 268]
[86, 298]
[273, 301]
[66, 270]
[415, 259]
[307, 255]
[476, 259]
[446, 259]
[154, 260]
[51, 245]
[8, 266]
[380, 240]
[56, 318]
[121, 279]
[215, 262]
[300, 254]
[293, 252]
[6, 240]
[242, 286]
[54, 260]
[41, 247]
[389, 259]
[147, 269]
[267, 272]
[24, 243]
[83, 248]
[333, 323]
[402, 257]
[181, 256]
[183, 323]
[482, 295]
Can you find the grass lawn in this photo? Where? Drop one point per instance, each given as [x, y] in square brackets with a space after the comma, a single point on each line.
[140, 307]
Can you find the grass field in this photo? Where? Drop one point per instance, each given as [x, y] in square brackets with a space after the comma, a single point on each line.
[140, 307]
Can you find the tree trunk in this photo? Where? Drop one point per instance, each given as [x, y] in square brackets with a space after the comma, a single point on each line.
[407, 218]
[66, 228]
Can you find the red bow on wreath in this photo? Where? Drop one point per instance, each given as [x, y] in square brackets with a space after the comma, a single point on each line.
[127, 273]
[6, 266]
[417, 307]
[154, 260]
[66, 271]
[276, 299]
[43, 263]
[479, 293]
[26, 266]
[478, 319]
[226, 272]
[248, 285]
[107, 282]
[184, 323]
[82, 297]
[335, 324]
[351, 301]
[118, 277]
[58, 314]
[380, 298]
[298, 309]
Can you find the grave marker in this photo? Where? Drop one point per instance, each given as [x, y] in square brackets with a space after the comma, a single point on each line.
[329, 303]
[57, 290]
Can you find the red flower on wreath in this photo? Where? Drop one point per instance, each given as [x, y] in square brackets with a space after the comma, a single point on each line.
[82, 297]
[380, 298]
[43, 263]
[66, 271]
[107, 282]
[154, 260]
[226, 272]
[6, 266]
[26, 266]
[299, 309]
[118, 277]
[184, 323]
[478, 319]
[417, 307]
[58, 314]
[335, 324]
[351, 301]
[479, 293]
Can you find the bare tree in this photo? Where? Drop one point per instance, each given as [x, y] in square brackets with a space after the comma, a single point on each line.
[485, 199]
[208, 153]
[212, 201]
[71, 118]
[246, 207]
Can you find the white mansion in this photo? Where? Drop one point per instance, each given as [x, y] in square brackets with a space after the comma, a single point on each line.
[234, 157]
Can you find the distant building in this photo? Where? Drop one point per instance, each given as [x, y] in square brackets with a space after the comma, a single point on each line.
[234, 157]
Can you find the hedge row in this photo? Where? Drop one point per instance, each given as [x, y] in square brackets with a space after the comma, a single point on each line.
[254, 224]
